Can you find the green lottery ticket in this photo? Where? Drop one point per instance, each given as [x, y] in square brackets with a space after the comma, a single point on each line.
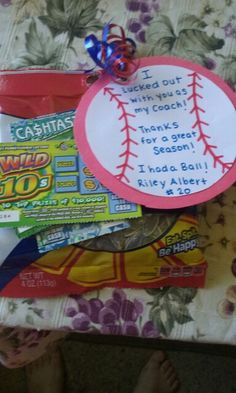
[63, 235]
[52, 126]
[56, 125]
[44, 183]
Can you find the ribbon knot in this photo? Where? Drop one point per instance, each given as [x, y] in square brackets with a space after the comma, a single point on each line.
[114, 53]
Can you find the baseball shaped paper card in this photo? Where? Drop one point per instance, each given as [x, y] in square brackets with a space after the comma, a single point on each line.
[166, 139]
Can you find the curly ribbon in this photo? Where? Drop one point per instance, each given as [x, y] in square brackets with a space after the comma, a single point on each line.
[114, 54]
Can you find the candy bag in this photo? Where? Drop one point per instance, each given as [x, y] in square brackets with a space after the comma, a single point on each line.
[158, 249]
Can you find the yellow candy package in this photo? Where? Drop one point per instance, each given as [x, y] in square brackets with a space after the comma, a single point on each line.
[158, 249]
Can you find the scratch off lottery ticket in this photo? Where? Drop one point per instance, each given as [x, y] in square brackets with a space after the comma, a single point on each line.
[55, 125]
[40, 184]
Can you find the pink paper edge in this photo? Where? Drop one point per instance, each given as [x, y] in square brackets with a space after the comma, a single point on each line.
[125, 191]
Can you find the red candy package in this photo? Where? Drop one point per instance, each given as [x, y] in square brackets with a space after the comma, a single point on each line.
[35, 93]
[157, 250]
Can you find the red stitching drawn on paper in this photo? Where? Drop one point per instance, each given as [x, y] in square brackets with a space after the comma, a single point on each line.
[127, 129]
[197, 110]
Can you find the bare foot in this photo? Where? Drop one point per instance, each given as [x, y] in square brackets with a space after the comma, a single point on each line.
[158, 376]
[46, 374]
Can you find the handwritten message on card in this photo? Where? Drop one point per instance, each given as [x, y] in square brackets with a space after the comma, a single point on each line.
[166, 139]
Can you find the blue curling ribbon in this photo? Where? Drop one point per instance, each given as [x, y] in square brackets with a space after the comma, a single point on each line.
[114, 54]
